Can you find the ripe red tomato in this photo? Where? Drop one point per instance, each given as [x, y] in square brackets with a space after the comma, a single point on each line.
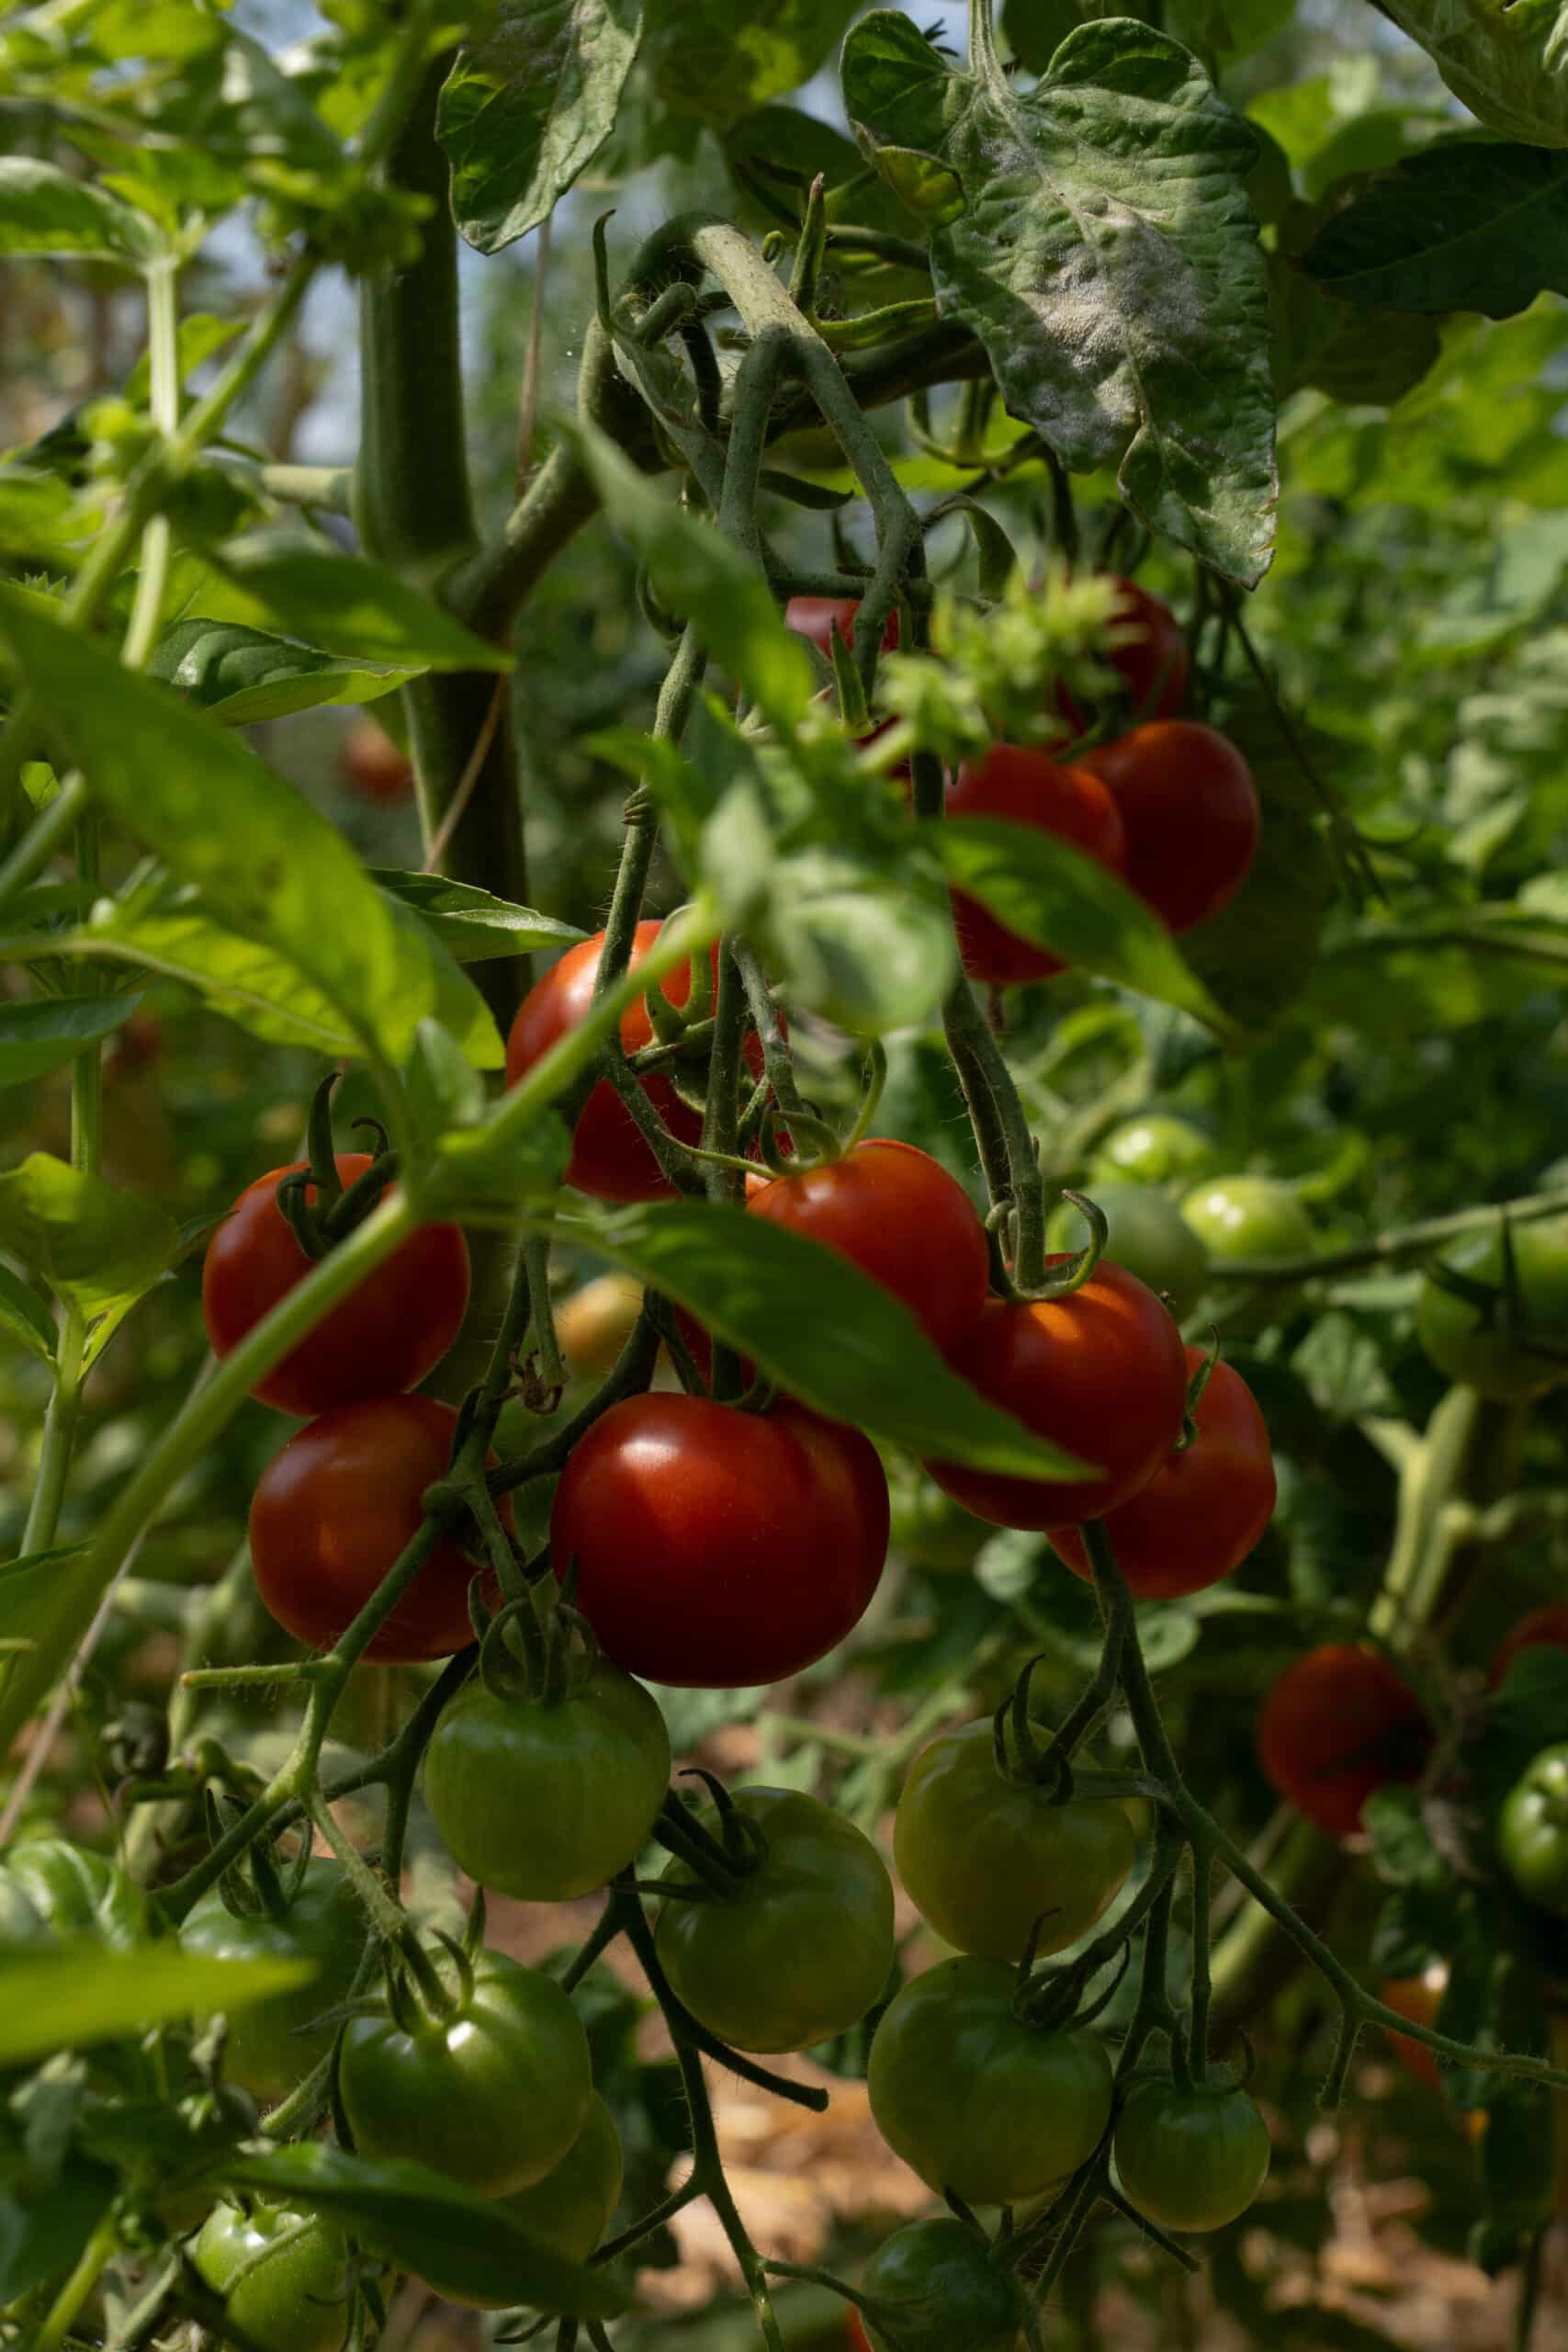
[1024, 787]
[383, 1337]
[1545, 1627]
[816, 618]
[1101, 1371]
[899, 1216]
[1336, 1725]
[1419, 1998]
[1189, 806]
[332, 1511]
[609, 1158]
[1152, 667]
[371, 761]
[716, 1547]
[1202, 1511]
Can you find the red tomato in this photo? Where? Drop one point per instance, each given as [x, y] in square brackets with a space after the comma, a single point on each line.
[371, 761]
[1101, 1371]
[383, 1337]
[1419, 1998]
[609, 1159]
[816, 618]
[1336, 1725]
[1153, 668]
[1024, 787]
[1203, 1510]
[1190, 810]
[1543, 1627]
[332, 1511]
[856, 2335]
[716, 1547]
[899, 1216]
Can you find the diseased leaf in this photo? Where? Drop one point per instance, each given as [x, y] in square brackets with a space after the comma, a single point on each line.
[527, 108]
[1465, 225]
[241, 675]
[46, 211]
[1107, 258]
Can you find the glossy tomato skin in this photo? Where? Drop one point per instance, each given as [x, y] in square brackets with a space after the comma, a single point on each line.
[1152, 667]
[548, 1799]
[717, 1548]
[817, 618]
[267, 2052]
[382, 1338]
[1156, 1147]
[1249, 1217]
[1481, 1349]
[983, 1858]
[1532, 1832]
[609, 1158]
[1024, 787]
[1204, 1509]
[1191, 2159]
[1190, 811]
[1146, 1233]
[334, 1509]
[935, 2289]
[494, 2094]
[802, 1949]
[1336, 1725]
[974, 2100]
[897, 1215]
[283, 2275]
[1100, 1372]
[570, 2208]
[1542, 1628]
[72, 1895]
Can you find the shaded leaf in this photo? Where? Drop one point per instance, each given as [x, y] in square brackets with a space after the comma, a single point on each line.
[76, 1997]
[345, 603]
[854, 943]
[1257, 954]
[46, 211]
[52, 1030]
[241, 675]
[25, 1318]
[93, 1245]
[1462, 226]
[247, 982]
[470, 925]
[714, 60]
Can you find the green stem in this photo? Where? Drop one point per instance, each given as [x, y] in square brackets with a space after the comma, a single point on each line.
[1388, 1248]
[59, 1433]
[330, 488]
[68, 2304]
[1002, 1126]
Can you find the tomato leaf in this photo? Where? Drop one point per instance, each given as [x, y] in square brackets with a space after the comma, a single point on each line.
[1257, 954]
[241, 675]
[24, 1315]
[527, 107]
[854, 944]
[713, 61]
[1465, 225]
[51, 1029]
[1057, 896]
[1106, 256]
[1508, 62]
[267, 863]
[77, 1996]
[470, 925]
[345, 603]
[455, 2242]
[817, 1325]
[98, 1247]
[248, 983]
[46, 211]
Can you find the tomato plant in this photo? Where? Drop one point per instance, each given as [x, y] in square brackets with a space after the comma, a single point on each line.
[1148, 1236]
[1337, 1724]
[1502, 1332]
[1206, 1506]
[717, 1546]
[1194, 2158]
[933, 2287]
[1024, 787]
[272, 2043]
[1189, 814]
[283, 2275]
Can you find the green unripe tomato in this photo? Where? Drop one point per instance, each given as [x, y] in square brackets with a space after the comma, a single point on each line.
[982, 1857]
[548, 1799]
[933, 2287]
[1489, 1349]
[975, 2099]
[1155, 1149]
[1146, 1233]
[570, 2208]
[493, 2092]
[283, 2275]
[265, 2052]
[802, 1948]
[74, 1894]
[1532, 1832]
[1191, 2159]
[1251, 1216]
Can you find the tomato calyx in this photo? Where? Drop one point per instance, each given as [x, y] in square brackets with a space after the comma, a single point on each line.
[723, 1864]
[1026, 1763]
[320, 1208]
[1196, 1386]
[538, 1649]
[1080, 1264]
[419, 2000]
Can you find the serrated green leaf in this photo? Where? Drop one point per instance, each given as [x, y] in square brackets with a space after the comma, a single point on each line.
[1057, 896]
[46, 211]
[74, 1998]
[49, 1031]
[471, 924]
[528, 106]
[267, 862]
[241, 675]
[455, 2242]
[816, 1325]
[345, 604]
[1107, 258]
[1465, 225]
[93, 1245]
